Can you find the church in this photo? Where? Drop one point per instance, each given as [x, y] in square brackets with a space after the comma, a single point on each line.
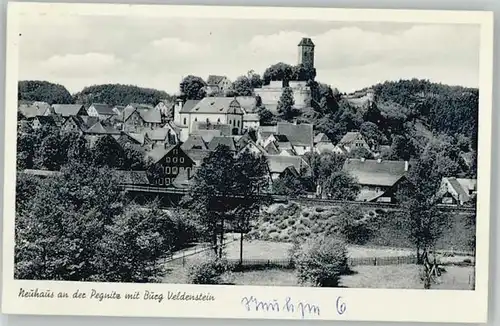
[270, 94]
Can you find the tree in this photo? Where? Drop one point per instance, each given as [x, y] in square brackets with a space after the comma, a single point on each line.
[193, 87]
[341, 186]
[372, 133]
[36, 90]
[118, 94]
[242, 86]
[324, 164]
[134, 158]
[266, 117]
[108, 152]
[360, 152]
[372, 113]
[401, 148]
[286, 103]
[255, 79]
[425, 222]
[25, 147]
[58, 237]
[278, 71]
[133, 244]
[320, 262]
[51, 155]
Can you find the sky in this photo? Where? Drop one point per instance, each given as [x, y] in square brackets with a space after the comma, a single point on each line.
[79, 51]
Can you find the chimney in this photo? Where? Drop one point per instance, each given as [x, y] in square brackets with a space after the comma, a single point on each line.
[379, 160]
[406, 165]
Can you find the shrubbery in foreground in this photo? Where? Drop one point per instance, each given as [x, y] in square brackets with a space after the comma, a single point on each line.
[321, 261]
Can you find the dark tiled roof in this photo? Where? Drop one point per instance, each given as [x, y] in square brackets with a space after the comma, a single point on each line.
[67, 110]
[306, 41]
[278, 163]
[217, 105]
[188, 106]
[321, 137]
[374, 172]
[151, 115]
[99, 128]
[158, 153]
[217, 141]
[350, 137]
[298, 134]
[103, 109]
[47, 120]
[214, 79]
[194, 142]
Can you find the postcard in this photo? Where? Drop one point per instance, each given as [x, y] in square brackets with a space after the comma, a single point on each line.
[247, 162]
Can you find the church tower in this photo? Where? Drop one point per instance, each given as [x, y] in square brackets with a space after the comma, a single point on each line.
[306, 52]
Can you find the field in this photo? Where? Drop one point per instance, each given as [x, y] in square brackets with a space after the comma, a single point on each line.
[391, 276]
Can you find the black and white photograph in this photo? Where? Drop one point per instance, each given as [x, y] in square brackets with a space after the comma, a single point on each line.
[248, 152]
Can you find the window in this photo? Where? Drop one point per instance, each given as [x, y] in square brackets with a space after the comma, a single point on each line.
[167, 159]
[161, 182]
[195, 119]
[188, 170]
[230, 121]
[185, 122]
[167, 181]
[167, 170]
[234, 123]
[175, 152]
[181, 169]
[174, 170]
[181, 159]
[174, 160]
[238, 123]
[218, 120]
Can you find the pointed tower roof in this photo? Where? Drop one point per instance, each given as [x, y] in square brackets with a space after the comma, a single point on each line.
[306, 41]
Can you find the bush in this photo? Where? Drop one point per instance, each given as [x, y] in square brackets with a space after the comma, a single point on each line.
[291, 222]
[305, 214]
[284, 225]
[208, 270]
[320, 261]
[320, 209]
[306, 222]
[266, 218]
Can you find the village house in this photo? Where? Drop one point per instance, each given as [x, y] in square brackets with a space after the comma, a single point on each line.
[323, 144]
[78, 124]
[217, 85]
[138, 117]
[132, 139]
[101, 110]
[171, 160]
[100, 128]
[166, 108]
[457, 191]
[350, 141]
[29, 111]
[51, 121]
[160, 137]
[194, 142]
[251, 121]
[279, 164]
[379, 179]
[67, 110]
[211, 110]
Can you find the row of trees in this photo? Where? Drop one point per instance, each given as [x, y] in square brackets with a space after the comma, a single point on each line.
[112, 94]
[78, 226]
[48, 148]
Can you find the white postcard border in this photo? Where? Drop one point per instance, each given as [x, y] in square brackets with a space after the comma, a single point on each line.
[361, 304]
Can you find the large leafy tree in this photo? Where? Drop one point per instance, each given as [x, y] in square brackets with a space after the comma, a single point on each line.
[108, 152]
[58, 235]
[242, 86]
[193, 87]
[341, 186]
[225, 190]
[425, 222]
[286, 103]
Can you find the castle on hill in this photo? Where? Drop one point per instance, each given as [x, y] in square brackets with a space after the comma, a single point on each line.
[270, 94]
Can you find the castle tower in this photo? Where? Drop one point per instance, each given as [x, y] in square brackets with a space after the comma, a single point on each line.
[306, 52]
